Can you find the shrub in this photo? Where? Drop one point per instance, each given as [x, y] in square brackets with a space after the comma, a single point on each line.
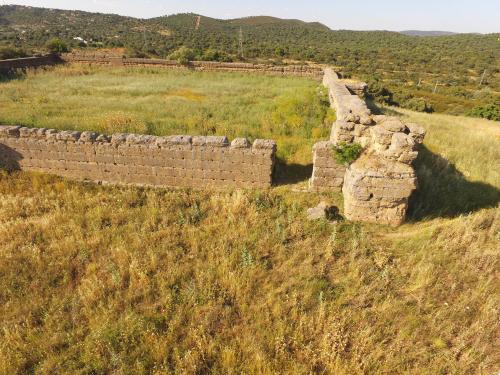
[377, 91]
[11, 53]
[346, 154]
[183, 55]
[417, 104]
[56, 45]
[215, 55]
[280, 52]
[136, 53]
[489, 111]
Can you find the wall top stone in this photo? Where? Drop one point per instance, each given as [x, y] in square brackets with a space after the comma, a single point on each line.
[377, 166]
[116, 139]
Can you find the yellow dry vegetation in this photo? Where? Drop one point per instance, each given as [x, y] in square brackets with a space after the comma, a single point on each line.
[122, 280]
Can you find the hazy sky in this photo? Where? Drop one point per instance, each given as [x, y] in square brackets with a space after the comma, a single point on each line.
[450, 15]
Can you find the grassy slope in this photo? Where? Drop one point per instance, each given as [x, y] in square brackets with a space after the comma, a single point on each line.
[120, 280]
[289, 110]
[458, 167]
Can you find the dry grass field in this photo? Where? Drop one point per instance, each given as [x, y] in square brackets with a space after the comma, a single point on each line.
[121, 280]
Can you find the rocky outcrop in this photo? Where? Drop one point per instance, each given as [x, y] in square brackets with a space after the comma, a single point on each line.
[377, 186]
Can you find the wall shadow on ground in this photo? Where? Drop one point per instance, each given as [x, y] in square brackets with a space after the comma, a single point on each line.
[9, 158]
[444, 191]
[16, 68]
[12, 75]
[290, 173]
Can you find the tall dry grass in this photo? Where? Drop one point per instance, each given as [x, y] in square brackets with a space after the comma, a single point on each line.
[458, 168]
[121, 280]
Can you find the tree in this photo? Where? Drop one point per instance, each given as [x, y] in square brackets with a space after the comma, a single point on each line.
[489, 111]
[56, 45]
[183, 55]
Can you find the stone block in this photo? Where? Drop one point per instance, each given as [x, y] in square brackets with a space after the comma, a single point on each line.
[377, 190]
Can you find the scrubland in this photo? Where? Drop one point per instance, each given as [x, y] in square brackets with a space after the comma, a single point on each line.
[120, 280]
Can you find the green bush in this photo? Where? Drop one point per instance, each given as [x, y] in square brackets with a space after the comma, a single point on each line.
[347, 154]
[417, 104]
[216, 55]
[56, 45]
[378, 92]
[136, 53]
[11, 53]
[489, 111]
[183, 55]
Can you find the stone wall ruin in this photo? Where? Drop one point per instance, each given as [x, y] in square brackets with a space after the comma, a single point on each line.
[175, 161]
[27, 62]
[97, 58]
[378, 185]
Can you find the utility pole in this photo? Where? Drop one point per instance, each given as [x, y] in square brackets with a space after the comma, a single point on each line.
[482, 77]
[240, 43]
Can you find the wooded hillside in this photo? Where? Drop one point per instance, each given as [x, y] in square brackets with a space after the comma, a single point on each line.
[454, 74]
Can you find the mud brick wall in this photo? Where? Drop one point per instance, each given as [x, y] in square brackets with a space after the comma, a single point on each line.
[96, 58]
[175, 161]
[327, 173]
[27, 62]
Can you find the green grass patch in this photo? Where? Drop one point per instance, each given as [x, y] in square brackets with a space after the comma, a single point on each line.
[293, 111]
[347, 154]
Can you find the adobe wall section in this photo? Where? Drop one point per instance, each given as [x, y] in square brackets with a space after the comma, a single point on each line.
[314, 72]
[175, 161]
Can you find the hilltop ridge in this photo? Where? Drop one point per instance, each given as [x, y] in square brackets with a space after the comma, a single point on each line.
[427, 33]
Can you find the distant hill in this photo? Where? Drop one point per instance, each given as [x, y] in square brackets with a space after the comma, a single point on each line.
[266, 20]
[427, 33]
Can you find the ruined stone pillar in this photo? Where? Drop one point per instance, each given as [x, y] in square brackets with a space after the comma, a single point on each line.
[377, 190]
[378, 185]
[327, 173]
